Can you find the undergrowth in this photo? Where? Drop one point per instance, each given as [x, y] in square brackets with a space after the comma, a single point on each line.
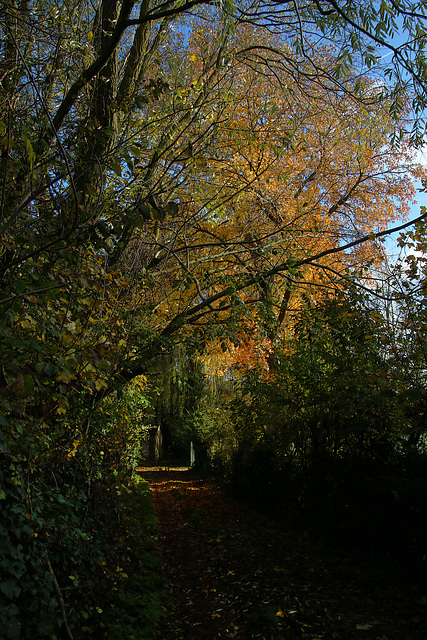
[139, 599]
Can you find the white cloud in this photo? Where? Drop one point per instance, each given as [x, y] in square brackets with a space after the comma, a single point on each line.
[421, 156]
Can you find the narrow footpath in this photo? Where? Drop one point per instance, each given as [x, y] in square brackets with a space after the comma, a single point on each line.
[231, 574]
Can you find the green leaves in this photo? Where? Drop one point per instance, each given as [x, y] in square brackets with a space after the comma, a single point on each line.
[151, 210]
[49, 369]
[29, 149]
[116, 166]
[10, 588]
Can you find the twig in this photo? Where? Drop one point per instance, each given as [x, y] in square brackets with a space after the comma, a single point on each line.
[60, 600]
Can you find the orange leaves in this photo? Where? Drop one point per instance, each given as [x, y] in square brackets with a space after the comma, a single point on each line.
[252, 351]
[270, 168]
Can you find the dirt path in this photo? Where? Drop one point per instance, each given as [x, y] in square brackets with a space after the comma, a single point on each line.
[230, 574]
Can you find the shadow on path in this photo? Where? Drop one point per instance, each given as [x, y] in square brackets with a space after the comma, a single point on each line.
[230, 573]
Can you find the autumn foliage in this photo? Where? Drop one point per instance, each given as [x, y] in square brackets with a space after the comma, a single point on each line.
[176, 180]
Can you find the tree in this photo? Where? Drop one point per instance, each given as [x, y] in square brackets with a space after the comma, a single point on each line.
[112, 138]
[304, 172]
[330, 433]
[102, 165]
[404, 307]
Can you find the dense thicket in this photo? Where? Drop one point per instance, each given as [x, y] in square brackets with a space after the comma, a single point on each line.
[334, 437]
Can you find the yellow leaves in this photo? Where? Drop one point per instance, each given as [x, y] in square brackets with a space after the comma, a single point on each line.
[27, 321]
[140, 382]
[72, 452]
[29, 149]
[67, 339]
[3, 130]
[66, 378]
[100, 384]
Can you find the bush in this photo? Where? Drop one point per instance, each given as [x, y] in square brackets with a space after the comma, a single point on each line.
[138, 596]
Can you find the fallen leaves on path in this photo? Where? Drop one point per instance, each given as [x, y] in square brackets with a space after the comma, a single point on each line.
[231, 574]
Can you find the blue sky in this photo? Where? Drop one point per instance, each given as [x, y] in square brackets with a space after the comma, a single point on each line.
[421, 156]
[421, 200]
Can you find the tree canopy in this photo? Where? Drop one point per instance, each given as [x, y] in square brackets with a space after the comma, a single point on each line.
[176, 177]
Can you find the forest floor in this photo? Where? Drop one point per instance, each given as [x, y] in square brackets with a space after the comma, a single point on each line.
[232, 573]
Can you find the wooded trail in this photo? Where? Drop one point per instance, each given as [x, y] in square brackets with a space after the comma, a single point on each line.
[230, 573]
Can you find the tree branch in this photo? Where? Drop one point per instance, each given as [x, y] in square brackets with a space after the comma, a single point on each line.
[90, 73]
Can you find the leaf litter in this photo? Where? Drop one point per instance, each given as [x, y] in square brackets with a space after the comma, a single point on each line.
[231, 573]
